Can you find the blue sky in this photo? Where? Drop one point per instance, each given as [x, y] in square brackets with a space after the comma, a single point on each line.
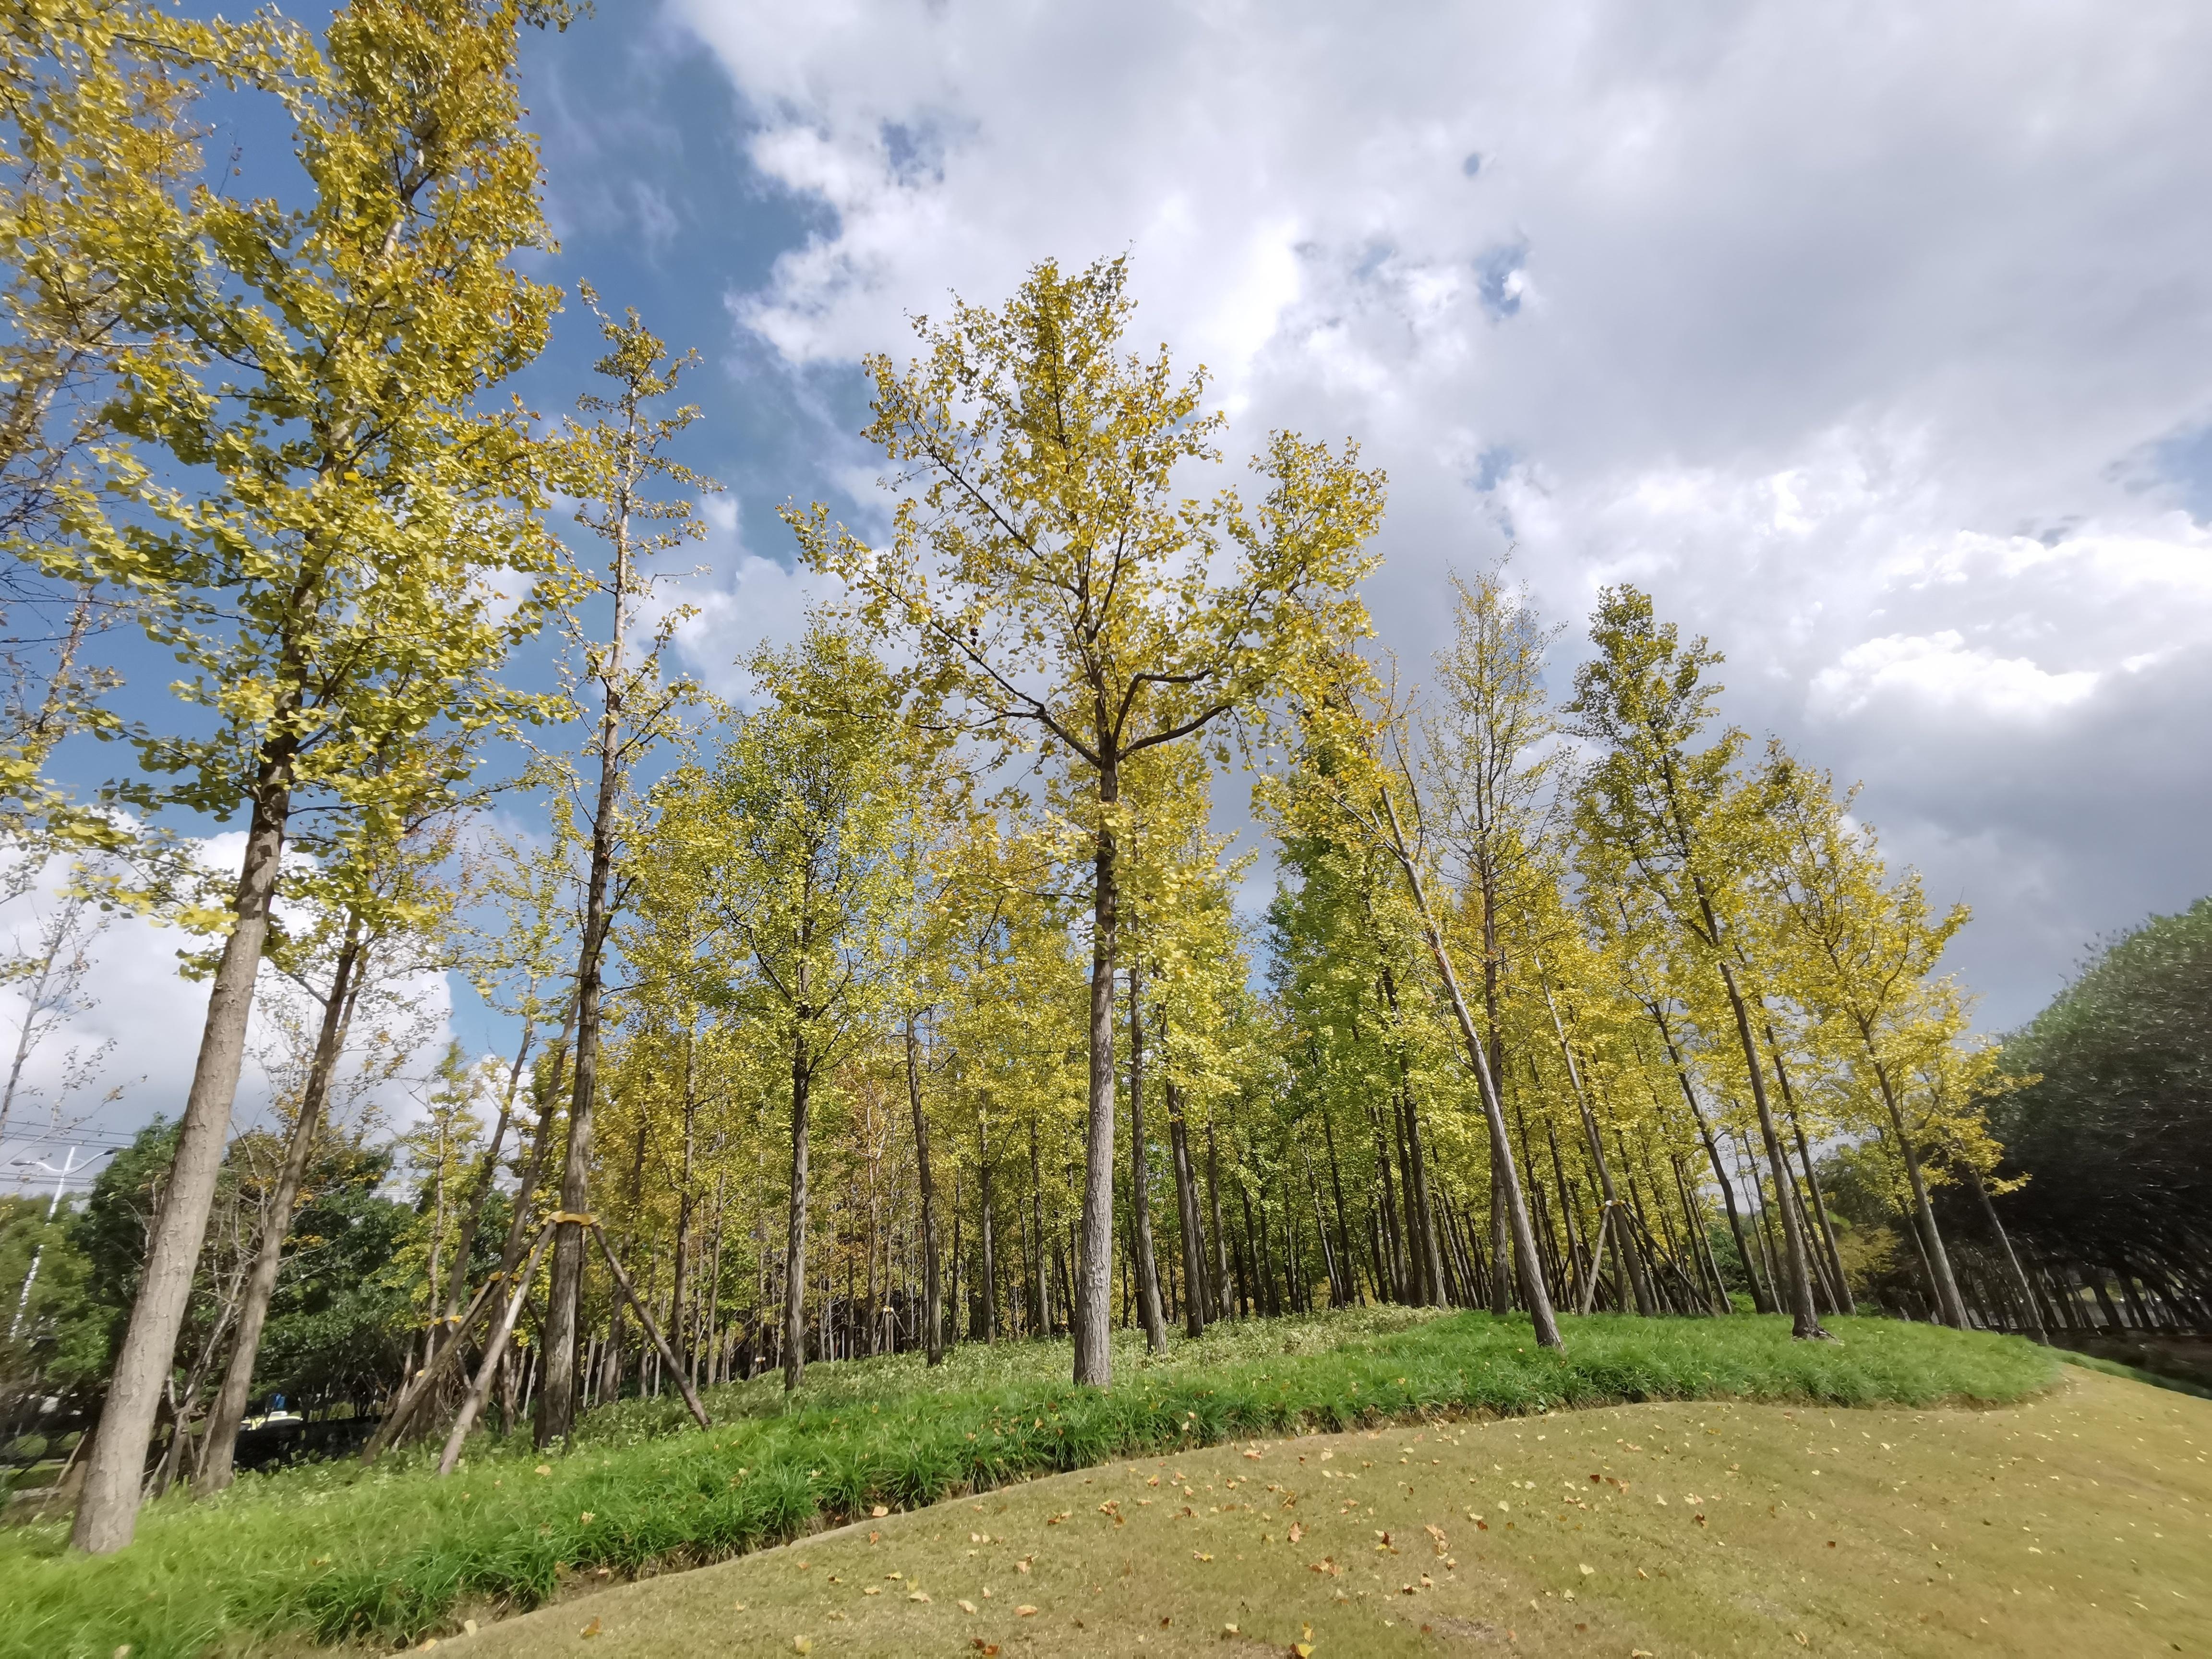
[1874, 339]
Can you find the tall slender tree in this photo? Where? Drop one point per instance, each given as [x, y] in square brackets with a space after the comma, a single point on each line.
[612, 467]
[329, 572]
[1657, 809]
[1050, 579]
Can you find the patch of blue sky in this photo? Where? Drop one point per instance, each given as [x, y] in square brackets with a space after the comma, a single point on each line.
[1499, 279]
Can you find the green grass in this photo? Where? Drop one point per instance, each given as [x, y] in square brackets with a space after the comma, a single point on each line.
[2076, 1522]
[391, 1554]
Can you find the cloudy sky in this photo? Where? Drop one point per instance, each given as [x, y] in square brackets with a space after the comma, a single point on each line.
[1874, 339]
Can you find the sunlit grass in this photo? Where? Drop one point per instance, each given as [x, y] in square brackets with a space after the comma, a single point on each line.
[391, 1553]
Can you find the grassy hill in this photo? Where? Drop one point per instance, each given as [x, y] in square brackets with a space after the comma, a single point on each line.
[390, 1555]
[2077, 1523]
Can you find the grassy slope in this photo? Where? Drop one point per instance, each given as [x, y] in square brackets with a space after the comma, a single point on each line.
[2079, 1522]
[394, 1554]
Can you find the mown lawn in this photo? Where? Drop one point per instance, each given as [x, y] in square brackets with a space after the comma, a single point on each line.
[387, 1556]
[2077, 1523]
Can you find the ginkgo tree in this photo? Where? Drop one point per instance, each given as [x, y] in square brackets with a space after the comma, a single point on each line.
[1054, 582]
[794, 835]
[334, 555]
[1673, 817]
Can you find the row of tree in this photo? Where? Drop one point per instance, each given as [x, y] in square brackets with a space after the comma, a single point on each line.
[914, 1003]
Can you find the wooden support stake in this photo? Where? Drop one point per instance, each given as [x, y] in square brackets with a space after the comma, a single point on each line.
[667, 1354]
[472, 1402]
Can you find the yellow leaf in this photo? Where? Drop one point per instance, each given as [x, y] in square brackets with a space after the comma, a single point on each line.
[1026, 1611]
[590, 1630]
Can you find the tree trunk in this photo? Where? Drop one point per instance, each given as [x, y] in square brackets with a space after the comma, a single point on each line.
[557, 1399]
[1094, 1267]
[107, 1511]
[1923, 1214]
[1805, 1322]
[1198, 1303]
[1839, 1291]
[1760, 1302]
[2004, 1240]
[456, 1280]
[987, 1228]
[1220, 1234]
[1140, 1182]
[494, 1356]
[933, 1293]
[794, 1273]
[1043, 1314]
[228, 1411]
[1401, 1270]
[1501, 1241]
[1421, 1221]
[681, 1275]
[1524, 1237]
[1336, 1193]
[1623, 1240]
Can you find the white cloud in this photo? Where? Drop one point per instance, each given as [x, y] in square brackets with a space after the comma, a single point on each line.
[1845, 329]
[148, 1017]
[1941, 673]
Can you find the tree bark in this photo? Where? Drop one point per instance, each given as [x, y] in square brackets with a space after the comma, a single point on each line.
[1220, 1235]
[107, 1511]
[1042, 1314]
[1197, 1305]
[1094, 1267]
[933, 1294]
[794, 1273]
[221, 1440]
[1140, 1181]
[987, 1228]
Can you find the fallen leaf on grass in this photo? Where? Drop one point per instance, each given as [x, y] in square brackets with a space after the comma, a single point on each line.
[1296, 1532]
[966, 1605]
[802, 1644]
[1200, 1555]
[918, 1596]
[1026, 1611]
[985, 1648]
[1586, 1569]
[592, 1628]
[873, 1589]
[878, 1512]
